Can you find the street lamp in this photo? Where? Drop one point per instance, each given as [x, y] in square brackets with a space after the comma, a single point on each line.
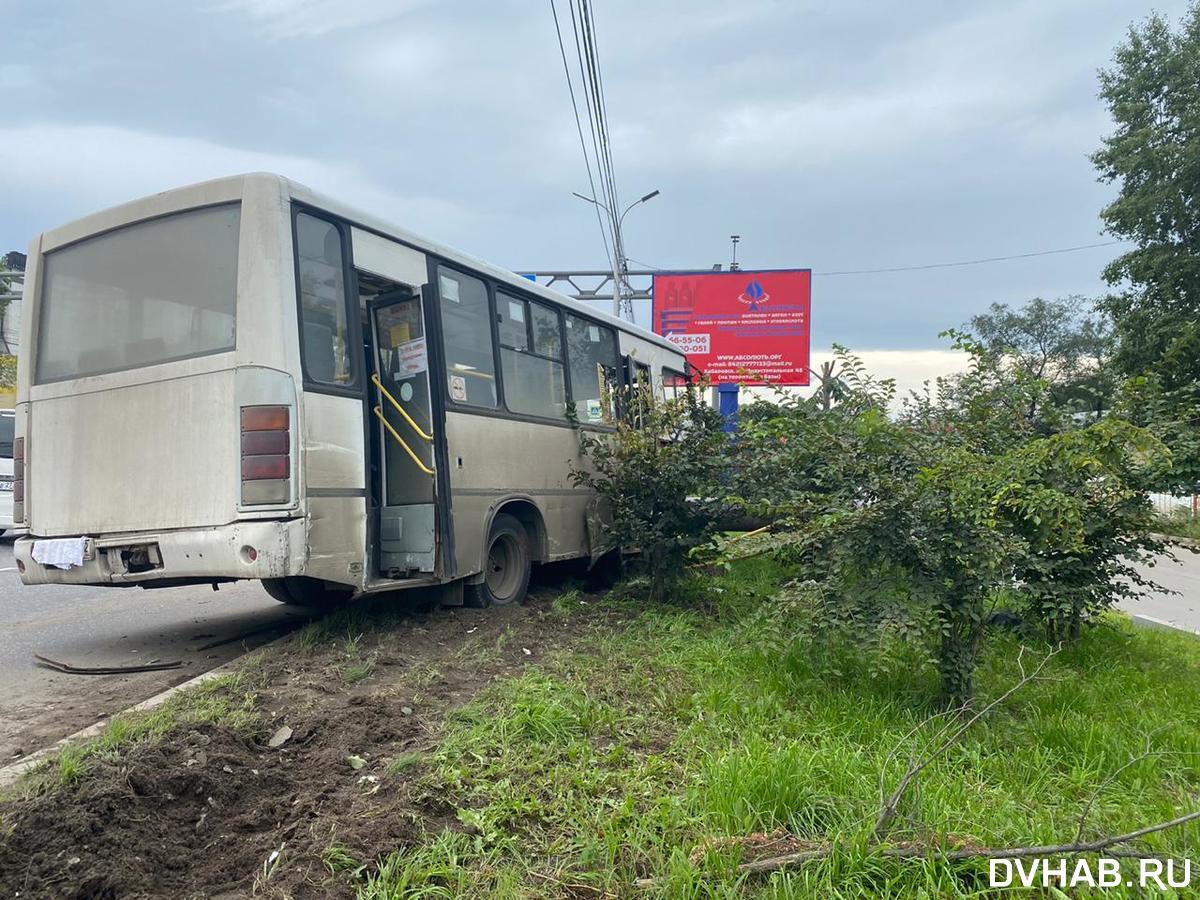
[618, 256]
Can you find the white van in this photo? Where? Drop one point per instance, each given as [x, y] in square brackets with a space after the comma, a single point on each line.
[7, 423]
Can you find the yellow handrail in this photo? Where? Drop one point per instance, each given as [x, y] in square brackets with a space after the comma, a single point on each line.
[407, 449]
[400, 409]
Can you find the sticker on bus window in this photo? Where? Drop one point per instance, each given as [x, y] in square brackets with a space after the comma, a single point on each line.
[458, 389]
[594, 334]
[400, 334]
[412, 358]
[595, 411]
[516, 310]
[449, 287]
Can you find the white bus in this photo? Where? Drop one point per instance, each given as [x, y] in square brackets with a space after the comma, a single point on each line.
[242, 379]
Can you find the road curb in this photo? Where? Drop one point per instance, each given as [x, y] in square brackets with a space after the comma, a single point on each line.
[1160, 624]
[11, 773]
[1190, 543]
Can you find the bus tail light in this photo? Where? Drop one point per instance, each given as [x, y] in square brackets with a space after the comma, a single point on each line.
[19, 480]
[266, 459]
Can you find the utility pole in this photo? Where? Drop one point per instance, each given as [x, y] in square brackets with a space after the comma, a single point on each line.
[733, 266]
[619, 263]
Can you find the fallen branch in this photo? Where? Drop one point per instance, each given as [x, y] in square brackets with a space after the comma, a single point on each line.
[773, 863]
[104, 670]
[1112, 776]
[888, 813]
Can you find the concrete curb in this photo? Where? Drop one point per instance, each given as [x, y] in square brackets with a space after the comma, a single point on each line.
[11, 773]
[1162, 624]
[1172, 539]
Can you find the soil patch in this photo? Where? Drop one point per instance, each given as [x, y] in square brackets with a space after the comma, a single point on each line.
[201, 812]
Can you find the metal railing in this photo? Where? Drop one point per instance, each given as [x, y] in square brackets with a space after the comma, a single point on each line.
[407, 418]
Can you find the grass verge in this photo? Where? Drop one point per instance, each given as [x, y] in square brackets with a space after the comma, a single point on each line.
[658, 749]
[1180, 524]
[227, 700]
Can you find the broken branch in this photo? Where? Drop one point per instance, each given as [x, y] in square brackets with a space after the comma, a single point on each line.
[888, 813]
[914, 852]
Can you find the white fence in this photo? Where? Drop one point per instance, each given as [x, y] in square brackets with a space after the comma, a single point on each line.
[1173, 504]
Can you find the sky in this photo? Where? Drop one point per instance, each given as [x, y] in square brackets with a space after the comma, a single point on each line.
[856, 134]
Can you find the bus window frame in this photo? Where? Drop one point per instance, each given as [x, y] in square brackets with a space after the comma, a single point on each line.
[667, 370]
[38, 310]
[437, 263]
[494, 287]
[353, 388]
[522, 297]
[620, 363]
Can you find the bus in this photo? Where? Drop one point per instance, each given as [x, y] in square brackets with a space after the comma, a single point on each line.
[243, 379]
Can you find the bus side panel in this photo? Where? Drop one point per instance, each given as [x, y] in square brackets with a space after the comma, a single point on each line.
[334, 485]
[506, 458]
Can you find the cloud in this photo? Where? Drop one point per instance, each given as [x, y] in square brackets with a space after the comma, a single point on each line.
[989, 71]
[847, 135]
[77, 169]
[284, 19]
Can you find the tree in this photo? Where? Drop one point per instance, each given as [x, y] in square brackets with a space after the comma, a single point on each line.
[1063, 342]
[658, 477]
[1153, 156]
[989, 408]
[1077, 501]
[914, 527]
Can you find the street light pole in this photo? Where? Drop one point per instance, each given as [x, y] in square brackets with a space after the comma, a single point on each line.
[619, 266]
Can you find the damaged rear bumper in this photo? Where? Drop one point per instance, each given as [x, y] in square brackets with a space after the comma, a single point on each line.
[251, 549]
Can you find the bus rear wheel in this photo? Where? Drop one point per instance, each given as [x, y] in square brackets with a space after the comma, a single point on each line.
[506, 566]
[312, 593]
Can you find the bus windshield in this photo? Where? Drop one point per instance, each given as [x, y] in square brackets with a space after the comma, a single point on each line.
[147, 293]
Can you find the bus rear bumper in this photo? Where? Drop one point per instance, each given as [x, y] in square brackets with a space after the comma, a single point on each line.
[251, 549]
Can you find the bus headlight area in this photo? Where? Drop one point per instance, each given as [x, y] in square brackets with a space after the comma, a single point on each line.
[252, 549]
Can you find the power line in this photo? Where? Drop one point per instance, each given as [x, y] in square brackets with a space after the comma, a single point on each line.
[579, 128]
[593, 45]
[585, 51]
[941, 265]
[970, 262]
[583, 29]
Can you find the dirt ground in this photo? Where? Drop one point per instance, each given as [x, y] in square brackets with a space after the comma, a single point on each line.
[199, 813]
[82, 700]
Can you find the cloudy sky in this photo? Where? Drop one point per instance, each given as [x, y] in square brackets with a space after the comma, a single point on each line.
[841, 135]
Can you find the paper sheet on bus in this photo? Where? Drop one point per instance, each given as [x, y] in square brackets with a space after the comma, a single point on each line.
[61, 553]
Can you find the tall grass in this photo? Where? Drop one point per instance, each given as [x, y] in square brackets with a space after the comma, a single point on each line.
[613, 762]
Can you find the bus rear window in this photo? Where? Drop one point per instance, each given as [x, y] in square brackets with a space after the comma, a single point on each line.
[7, 430]
[140, 295]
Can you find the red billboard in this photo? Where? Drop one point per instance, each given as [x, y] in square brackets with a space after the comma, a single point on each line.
[748, 327]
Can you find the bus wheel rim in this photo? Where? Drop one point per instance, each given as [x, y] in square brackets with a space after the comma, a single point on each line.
[502, 568]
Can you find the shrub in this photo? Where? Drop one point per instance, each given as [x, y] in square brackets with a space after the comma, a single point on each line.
[658, 477]
[1077, 501]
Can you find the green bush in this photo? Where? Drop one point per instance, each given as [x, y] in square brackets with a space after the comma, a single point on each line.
[657, 476]
[912, 527]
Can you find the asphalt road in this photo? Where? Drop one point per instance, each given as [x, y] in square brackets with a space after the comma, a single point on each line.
[88, 626]
[1181, 609]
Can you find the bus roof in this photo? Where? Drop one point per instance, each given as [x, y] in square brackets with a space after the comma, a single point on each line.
[222, 189]
[357, 217]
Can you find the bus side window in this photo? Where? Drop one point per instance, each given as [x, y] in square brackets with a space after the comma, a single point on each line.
[531, 357]
[641, 391]
[324, 340]
[675, 384]
[595, 375]
[467, 332]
